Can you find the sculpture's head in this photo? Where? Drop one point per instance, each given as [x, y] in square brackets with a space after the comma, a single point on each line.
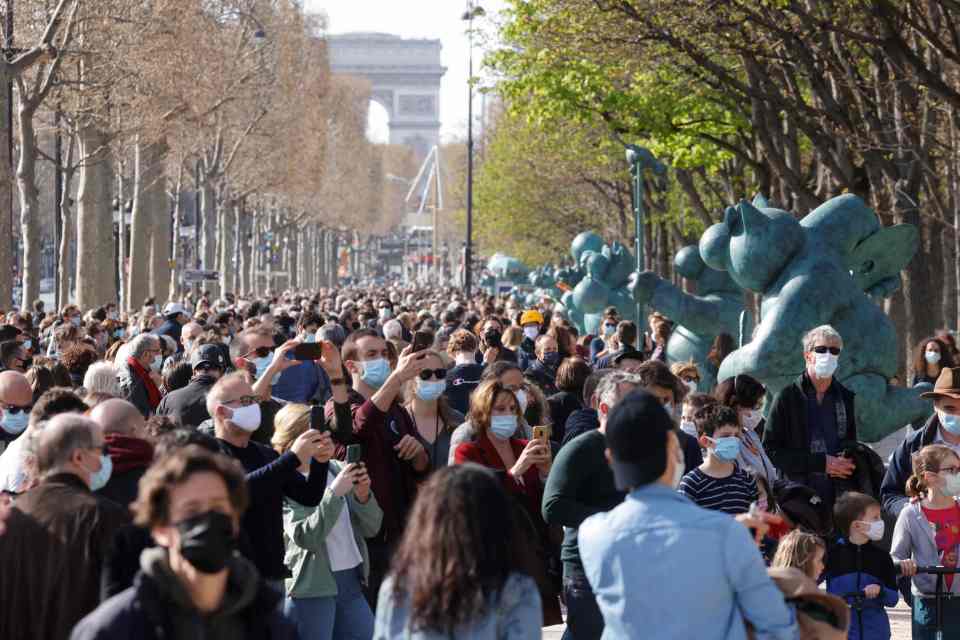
[585, 241]
[690, 265]
[753, 245]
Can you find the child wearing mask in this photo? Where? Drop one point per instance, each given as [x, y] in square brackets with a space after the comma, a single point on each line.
[803, 551]
[719, 483]
[856, 567]
[928, 534]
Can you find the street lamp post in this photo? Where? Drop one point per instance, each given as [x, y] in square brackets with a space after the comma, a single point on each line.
[473, 11]
[640, 159]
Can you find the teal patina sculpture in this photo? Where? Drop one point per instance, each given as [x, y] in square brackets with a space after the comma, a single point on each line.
[700, 317]
[606, 273]
[817, 271]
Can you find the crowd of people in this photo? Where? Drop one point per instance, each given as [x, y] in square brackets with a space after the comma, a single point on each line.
[406, 463]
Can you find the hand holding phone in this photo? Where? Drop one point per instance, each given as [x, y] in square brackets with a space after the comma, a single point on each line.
[421, 340]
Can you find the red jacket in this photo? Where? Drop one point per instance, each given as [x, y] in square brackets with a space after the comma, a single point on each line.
[482, 452]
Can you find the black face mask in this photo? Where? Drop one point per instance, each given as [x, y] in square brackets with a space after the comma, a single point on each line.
[492, 338]
[207, 541]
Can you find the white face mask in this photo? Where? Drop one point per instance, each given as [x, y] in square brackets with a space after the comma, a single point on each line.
[246, 418]
[691, 385]
[875, 530]
[531, 331]
[751, 419]
[932, 357]
[688, 427]
[824, 364]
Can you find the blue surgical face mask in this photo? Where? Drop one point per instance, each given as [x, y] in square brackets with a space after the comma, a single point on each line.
[727, 449]
[503, 427]
[309, 337]
[27, 344]
[157, 363]
[375, 372]
[428, 391]
[263, 364]
[950, 422]
[609, 329]
[118, 333]
[100, 479]
[14, 423]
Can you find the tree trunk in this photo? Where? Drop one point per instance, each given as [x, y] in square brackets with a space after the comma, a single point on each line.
[95, 245]
[29, 209]
[208, 224]
[6, 204]
[237, 251]
[157, 206]
[176, 255]
[141, 228]
[228, 228]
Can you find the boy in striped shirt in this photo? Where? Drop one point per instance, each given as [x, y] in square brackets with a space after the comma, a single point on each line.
[718, 483]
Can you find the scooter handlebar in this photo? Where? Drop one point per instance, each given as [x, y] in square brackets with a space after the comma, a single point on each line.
[938, 570]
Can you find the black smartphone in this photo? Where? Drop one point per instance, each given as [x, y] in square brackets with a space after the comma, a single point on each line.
[354, 453]
[421, 340]
[307, 351]
[317, 419]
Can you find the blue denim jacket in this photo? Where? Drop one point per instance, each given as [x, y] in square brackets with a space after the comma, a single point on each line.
[662, 567]
[517, 615]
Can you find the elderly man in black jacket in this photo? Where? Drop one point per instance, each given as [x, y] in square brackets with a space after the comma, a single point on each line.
[59, 535]
[812, 421]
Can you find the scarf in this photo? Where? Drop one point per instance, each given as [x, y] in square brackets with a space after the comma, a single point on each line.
[128, 452]
[153, 393]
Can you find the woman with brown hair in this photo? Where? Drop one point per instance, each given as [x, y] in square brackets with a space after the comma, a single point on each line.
[454, 571]
[428, 409]
[931, 356]
[928, 534]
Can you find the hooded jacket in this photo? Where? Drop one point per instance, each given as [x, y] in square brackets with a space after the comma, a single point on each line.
[158, 607]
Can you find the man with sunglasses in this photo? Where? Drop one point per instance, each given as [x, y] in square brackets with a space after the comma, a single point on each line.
[16, 401]
[812, 421]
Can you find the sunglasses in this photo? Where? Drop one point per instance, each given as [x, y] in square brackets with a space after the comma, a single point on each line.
[14, 410]
[440, 374]
[244, 401]
[833, 350]
[261, 352]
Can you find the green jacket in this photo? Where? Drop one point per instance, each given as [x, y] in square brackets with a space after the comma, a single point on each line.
[305, 532]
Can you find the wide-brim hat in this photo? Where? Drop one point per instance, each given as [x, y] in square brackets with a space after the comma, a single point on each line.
[947, 385]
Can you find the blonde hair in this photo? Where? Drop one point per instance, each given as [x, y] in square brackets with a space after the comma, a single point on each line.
[797, 550]
[288, 425]
[688, 367]
[512, 338]
[930, 458]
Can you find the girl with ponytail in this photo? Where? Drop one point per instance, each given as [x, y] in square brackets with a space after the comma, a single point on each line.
[928, 534]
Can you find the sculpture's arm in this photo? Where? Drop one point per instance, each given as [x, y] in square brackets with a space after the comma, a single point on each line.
[698, 314]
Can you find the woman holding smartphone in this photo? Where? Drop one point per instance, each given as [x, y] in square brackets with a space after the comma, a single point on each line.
[429, 410]
[326, 549]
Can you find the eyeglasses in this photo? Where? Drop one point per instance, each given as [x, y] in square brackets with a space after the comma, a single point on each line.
[949, 470]
[440, 374]
[833, 350]
[688, 379]
[261, 352]
[14, 409]
[245, 401]
[102, 448]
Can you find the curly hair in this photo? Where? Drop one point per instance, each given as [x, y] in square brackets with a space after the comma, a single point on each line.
[457, 551]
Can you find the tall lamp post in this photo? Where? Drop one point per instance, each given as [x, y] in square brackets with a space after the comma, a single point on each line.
[473, 11]
[640, 160]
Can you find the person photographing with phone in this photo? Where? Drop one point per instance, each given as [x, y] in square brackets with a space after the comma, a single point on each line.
[326, 547]
[394, 458]
[428, 408]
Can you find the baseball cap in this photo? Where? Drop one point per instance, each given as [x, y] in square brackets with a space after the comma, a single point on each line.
[208, 354]
[173, 308]
[636, 435]
[530, 316]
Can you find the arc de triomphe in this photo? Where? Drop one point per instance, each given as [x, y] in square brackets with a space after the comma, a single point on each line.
[405, 77]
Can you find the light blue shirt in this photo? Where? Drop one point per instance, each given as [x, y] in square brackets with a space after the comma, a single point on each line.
[516, 615]
[662, 567]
